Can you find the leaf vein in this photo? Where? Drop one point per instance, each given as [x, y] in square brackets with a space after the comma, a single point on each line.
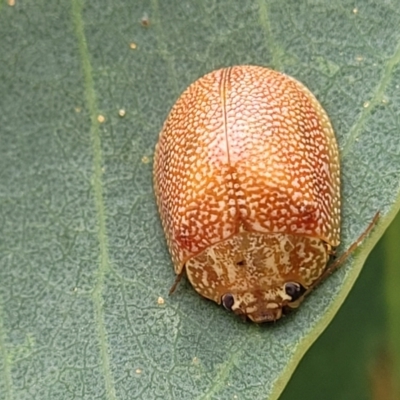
[265, 23]
[373, 102]
[104, 263]
[6, 373]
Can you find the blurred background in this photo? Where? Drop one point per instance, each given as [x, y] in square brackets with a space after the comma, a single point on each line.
[358, 356]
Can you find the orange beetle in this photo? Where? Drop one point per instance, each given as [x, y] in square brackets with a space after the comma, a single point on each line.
[247, 181]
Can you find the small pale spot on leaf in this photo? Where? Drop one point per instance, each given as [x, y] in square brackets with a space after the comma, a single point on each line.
[145, 21]
[195, 361]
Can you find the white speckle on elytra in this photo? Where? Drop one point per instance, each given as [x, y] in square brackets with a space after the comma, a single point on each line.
[243, 147]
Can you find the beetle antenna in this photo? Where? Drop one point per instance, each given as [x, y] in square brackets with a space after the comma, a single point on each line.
[339, 261]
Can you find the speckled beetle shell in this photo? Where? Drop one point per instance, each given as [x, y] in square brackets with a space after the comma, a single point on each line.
[247, 181]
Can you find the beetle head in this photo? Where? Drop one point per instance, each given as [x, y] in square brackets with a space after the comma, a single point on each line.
[265, 305]
[259, 276]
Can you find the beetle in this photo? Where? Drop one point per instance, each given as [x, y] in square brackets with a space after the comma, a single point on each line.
[247, 183]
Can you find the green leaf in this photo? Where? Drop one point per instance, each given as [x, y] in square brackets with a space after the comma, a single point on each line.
[83, 259]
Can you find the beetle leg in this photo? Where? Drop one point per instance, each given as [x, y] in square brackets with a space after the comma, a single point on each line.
[176, 283]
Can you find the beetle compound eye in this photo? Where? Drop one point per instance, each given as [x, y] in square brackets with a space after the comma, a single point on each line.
[294, 290]
[228, 301]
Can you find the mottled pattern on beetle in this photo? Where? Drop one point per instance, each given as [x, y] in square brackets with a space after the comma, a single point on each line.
[246, 148]
[193, 181]
[285, 156]
[254, 265]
